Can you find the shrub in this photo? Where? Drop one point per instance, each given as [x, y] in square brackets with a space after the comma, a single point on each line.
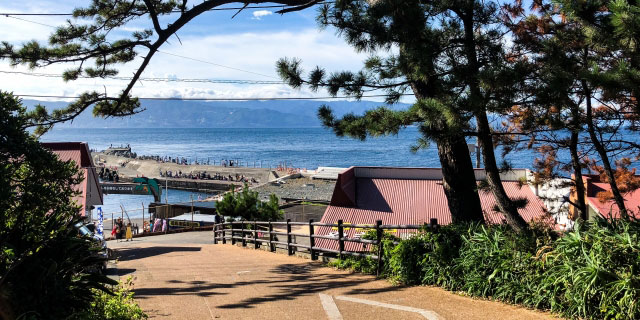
[445, 248]
[246, 204]
[45, 267]
[595, 271]
[363, 265]
[592, 272]
[404, 264]
[117, 306]
[497, 262]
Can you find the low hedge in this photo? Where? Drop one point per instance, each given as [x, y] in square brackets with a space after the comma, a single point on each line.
[592, 272]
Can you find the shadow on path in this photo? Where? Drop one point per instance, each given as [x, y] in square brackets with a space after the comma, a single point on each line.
[126, 254]
[296, 280]
[289, 282]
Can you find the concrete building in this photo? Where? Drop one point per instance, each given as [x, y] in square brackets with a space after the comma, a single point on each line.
[90, 193]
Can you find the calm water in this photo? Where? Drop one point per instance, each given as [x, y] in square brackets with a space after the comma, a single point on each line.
[133, 203]
[302, 148]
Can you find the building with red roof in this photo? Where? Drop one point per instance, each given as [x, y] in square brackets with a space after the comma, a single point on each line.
[402, 196]
[596, 207]
[90, 192]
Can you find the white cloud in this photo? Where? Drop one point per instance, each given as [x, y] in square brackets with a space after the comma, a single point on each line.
[258, 14]
[254, 52]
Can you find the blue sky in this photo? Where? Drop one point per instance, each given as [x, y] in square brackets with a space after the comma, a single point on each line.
[252, 41]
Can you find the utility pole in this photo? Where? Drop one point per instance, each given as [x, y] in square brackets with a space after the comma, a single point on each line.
[477, 153]
[192, 211]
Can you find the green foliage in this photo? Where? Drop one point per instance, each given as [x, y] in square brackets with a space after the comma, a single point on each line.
[595, 271]
[270, 210]
[45, 267]
[591, 272]
[496, 262]
[364, 265]
[117, 306]
[247, 205]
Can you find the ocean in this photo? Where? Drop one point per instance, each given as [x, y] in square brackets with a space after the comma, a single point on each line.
[298, 147]
[301, 148]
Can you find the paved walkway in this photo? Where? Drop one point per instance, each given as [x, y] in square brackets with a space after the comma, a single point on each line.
[183, 276]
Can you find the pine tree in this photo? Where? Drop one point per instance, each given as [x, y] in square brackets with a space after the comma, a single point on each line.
[86, 41]
[583, 53]
[406, 25]
[451, 56]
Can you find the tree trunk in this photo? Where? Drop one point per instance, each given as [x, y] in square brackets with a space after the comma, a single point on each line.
[485, 140]
[504, 203]
[459, 180]
[617, 196]
[577, 173]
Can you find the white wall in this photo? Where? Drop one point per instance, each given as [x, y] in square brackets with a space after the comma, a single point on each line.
[554, 194]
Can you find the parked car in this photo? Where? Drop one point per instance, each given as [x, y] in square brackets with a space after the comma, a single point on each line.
[84, 230]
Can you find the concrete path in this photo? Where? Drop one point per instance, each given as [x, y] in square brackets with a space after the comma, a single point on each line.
[184, 276]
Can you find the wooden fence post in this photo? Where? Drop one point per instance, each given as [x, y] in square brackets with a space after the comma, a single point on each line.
[379, 233]
[340, 241]
[244, 240]
[272, 248]
[312, 241]
[233, 240]
[215, 234]
[289, 248]
[433, 223]
[255, 234]
[224, 234]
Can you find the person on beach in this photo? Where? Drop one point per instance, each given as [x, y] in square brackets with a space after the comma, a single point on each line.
[119, 229]
[129, 232]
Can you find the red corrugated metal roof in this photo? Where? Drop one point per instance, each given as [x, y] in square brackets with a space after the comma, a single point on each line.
[76, 151]
[80, 154]
[609, 208]
[405, 201]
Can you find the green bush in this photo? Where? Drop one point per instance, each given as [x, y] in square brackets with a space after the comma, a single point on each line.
[45, 267]
[497, 262]
[405, 260]
[117, 306]
[595, 271]
[592, 272]
[247, 204]
[445, 248]
[363, 265]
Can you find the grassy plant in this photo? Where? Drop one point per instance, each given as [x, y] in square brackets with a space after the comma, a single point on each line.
[592, 272]
[363, 265]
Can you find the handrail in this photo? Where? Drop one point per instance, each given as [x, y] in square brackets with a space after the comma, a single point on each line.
[346, 226]
[229, 231]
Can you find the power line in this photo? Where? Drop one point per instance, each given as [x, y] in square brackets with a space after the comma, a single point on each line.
[174, 11]
[164, 52]
[215, 64]
[221, 99]
[217, 81]
[30, 21]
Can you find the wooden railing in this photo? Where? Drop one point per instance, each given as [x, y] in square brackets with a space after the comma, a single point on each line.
[248, 232]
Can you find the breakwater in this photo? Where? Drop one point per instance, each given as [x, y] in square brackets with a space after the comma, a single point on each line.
[192, 177]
